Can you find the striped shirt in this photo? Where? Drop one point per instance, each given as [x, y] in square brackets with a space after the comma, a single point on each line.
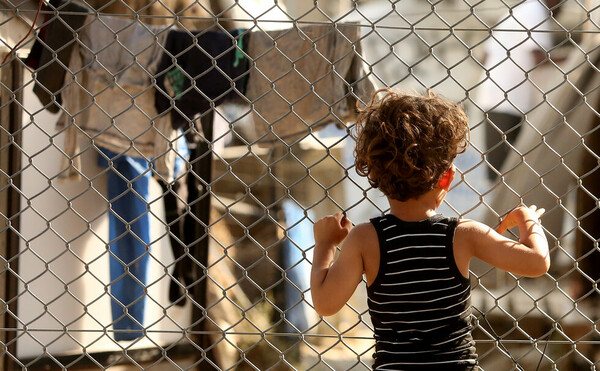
[420, 303]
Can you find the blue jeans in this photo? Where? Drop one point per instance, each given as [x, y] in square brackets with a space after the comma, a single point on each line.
[295, 248]
[129, 237]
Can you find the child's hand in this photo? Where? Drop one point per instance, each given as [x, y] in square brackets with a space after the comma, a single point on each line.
[519, 216]
[332, 229]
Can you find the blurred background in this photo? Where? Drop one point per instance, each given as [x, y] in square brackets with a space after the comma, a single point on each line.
[227, 246]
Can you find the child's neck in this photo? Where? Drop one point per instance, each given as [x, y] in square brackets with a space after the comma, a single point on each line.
[417, 209]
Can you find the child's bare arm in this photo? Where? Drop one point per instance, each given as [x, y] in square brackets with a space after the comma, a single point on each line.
[332, 283]
[529, 257]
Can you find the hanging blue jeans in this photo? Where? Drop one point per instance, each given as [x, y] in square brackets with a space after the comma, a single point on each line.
[129, 235]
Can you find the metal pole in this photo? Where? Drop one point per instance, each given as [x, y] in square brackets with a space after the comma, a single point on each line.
[10, 182]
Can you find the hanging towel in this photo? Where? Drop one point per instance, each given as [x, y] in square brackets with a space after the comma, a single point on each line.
[302, 79]
[200, 70]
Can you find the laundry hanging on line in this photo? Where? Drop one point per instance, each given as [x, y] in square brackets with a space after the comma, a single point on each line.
[128, 184]
[296, 81]
[108, 97]
[56, 37]
[315, 76]
[200, 70]
[304, 78]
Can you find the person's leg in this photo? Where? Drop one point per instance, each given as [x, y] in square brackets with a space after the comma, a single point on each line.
[129, 234]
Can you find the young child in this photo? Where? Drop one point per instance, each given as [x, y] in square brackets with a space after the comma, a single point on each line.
[416, 261]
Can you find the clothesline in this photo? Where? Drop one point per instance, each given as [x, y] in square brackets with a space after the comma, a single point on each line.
[333, 23]
[471, 9]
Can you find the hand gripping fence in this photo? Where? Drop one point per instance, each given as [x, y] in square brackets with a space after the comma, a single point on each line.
[162, 164]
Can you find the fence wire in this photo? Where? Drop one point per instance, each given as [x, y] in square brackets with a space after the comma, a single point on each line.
[162, 163]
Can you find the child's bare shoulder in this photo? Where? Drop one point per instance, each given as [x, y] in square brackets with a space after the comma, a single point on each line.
[363, 231]
[468, 237]
[363, 234]
[470, 231]
[363, 238]
[469, 226]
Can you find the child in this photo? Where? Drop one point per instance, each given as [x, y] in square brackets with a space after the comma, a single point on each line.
[416, 262]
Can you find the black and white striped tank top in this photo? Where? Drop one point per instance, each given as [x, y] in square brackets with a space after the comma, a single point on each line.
[420, 303]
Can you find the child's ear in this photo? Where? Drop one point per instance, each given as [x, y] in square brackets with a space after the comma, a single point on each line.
[447, 178]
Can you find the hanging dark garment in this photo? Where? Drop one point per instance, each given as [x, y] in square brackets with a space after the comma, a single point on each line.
[59, 36]
[198, 70]
[187, 214]
[175, 197]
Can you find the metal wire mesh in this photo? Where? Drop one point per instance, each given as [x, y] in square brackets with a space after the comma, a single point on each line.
[162, 163]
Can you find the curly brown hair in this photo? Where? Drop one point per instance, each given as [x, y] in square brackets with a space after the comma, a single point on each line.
[405, 143]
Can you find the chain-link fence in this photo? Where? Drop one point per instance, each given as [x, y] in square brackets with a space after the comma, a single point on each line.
[162, 163]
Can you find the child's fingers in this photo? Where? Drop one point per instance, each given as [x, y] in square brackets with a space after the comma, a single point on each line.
[502, 227]
[343, 221]
[506, 223]
[540, 212]
[346, 223]
[509, 220]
